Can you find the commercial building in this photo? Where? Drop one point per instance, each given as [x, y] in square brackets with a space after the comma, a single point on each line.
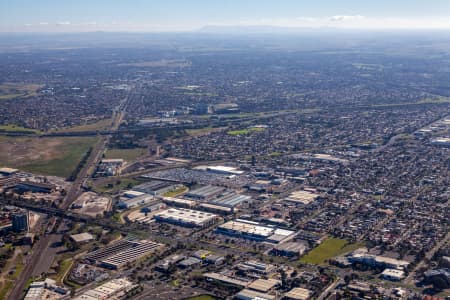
[113, 289]
[186, 217]
[20, 221]
[224, 170]
[254, 231]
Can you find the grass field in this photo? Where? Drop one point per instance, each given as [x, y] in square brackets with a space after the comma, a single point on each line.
[99, 125]
[114, 188]
[245, 131]
[329, 248]
[57, 156]
[15, 90]
[63, 269]
[126, 154]
[15, 128]
[176, 192]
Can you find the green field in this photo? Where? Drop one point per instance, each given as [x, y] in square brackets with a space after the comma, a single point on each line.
[115, 187]
[94, 126]
[57, 156]
[176, 192]
[15, 128]
[245, 131]
[15, 90]
[329, 248]
[64, 267]
[126, 154]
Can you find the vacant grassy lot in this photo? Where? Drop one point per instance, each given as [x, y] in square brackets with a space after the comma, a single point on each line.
[116, 185]
[92, 126]
[15, 90]
[245, 131]
[57, 156]
[176, 192]
[126, 154]
[329, 248]
[15, 128]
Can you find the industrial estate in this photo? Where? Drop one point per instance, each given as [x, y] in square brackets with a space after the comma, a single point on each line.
[225, 168]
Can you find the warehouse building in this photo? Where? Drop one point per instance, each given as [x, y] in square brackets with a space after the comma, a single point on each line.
[301, 197]
[156, 187]
[361, 256]
[127, 203]
[298, 294]
[230, 199]
[113, 289]
[122, 252]
[205, 193]
[82, 238]
[254, 231]
[290, 249]
[247, 294]
[179, 202]
[216, 209]
[187, 217]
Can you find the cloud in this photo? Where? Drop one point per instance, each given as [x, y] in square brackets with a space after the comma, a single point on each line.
[43, 23]
[345, 18]
[63, 23]
[348, 22]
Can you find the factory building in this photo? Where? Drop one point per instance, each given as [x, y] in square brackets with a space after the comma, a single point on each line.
[254, 231]
[187, 217]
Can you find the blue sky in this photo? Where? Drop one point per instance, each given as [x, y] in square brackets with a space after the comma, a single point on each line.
[178, 15]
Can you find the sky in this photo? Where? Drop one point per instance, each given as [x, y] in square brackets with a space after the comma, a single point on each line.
[191, 15]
